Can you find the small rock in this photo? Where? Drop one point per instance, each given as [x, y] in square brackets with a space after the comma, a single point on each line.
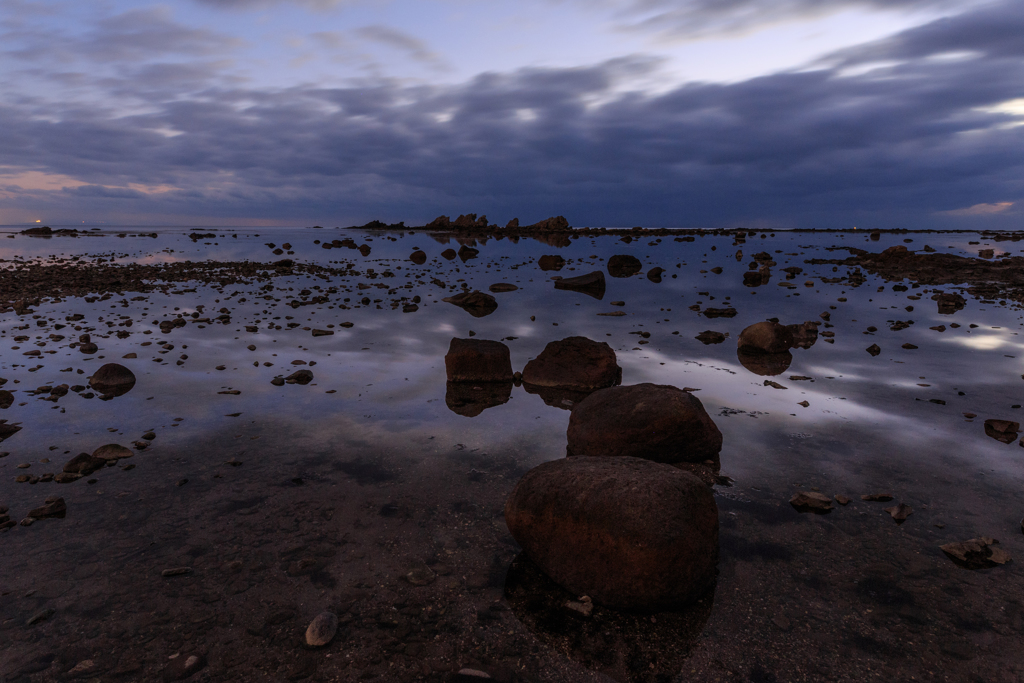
[877, 497]
[112, 451]
[710, 337]
[502, 287]
[841, 499]
[299, 377]
[54, 508]
[591, 284]
[323, 333]
[322, 629]
[40, 617]
[476, 303]
[811, 501]
[624, 265]
[183, 667]
[976, 553]
[874, 350]
[176, 571]
[420, 576]
[900, 512]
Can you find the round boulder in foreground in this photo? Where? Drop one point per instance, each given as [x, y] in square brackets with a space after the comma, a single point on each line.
[629, 533]
[651, 421]
[113, 378]
[766, 337]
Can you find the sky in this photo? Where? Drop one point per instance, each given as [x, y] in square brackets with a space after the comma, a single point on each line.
[662, 113]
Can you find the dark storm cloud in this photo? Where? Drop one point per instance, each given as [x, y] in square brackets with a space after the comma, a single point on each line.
[893, 145]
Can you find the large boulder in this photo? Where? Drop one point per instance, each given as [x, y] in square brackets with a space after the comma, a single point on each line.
[477, 304]
[478, 360]
[624, 265]
[629, 533]
[651, 421]
[591, 284]
[575, 363]
[112, 378]
[765, 337]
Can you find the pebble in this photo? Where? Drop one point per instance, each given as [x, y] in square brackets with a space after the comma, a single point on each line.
[176, 571]
[322, 629]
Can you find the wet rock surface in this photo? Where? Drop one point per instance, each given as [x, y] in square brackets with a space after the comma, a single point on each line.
[477, 360]
[585, 522]
[656, 422]
[477, 304]
[574, 363]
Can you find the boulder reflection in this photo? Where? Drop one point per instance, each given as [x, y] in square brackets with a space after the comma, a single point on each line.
[470, 399]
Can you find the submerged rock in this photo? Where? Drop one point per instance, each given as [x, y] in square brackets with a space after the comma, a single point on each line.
[873, 350]
[477, 304]
[418, 257]
[83, 464]
[592, 284]
[478, 360]
[53, 508]
[575, 363]
[587, 523]
[299, 377]
[654, 274]
[949, 302]
[650, 421]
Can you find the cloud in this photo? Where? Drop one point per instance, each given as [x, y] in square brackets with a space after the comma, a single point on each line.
[318, 5]
[703, 18]
[817, 148]
[412, 46]
[982, 209]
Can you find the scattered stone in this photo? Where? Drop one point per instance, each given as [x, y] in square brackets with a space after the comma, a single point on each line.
[586, 523]
[613, 314]
[420, 576]
[728, 312]
[654, 274]
[112, 451]
[176, 571]
[575, 363]
[651, 421]
[418, 257]
[976, 553]
[476, 303]
[1002, 430]
[766, 337]
[53, 508]
[874, 350]
[323, 333]
[499, 287]
[478, 360]
[182, 667]
[710, 337]
[805, 404]
[302, 377]
[624, 265]
[841, 499]
[112, 379]
[449, 254]
[900, 512]
[811, 501]
[909, 346]
[551, 262]
[322, 629]
[83, 464]
[6, 399]
[40, 617]
[804, 335]
[877, 497]
[949, 302]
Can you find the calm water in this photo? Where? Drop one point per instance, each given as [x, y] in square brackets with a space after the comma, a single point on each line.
[287, 500]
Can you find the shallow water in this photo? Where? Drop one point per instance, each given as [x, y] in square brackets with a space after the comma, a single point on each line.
[288, 500]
